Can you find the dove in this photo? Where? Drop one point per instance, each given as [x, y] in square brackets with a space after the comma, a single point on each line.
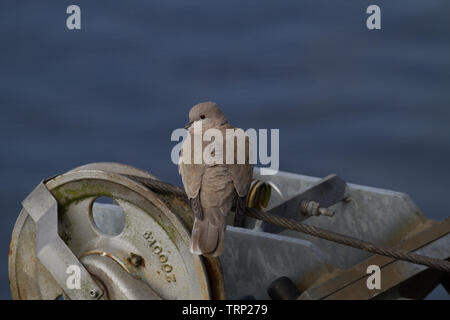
[213, 187]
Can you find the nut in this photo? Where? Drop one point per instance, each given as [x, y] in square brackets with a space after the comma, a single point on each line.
[93, 293]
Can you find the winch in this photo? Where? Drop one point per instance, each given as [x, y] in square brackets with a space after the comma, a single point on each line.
[105, 225]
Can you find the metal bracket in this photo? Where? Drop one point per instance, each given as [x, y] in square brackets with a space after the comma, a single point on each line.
[119, 283]
[326, 192]
[51, 250]
[351, 283]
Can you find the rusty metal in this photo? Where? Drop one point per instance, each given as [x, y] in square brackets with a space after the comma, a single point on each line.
[136, 260]
[259, 194]
[351, 283]
[319, 269]
[181, 208]
[75, 193]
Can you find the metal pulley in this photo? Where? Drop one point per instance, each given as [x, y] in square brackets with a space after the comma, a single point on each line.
[136, 249]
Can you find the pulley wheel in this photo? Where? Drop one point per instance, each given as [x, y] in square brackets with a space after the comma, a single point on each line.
[152, 245]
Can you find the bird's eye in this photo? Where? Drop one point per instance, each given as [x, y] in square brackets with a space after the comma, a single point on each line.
[202, 116]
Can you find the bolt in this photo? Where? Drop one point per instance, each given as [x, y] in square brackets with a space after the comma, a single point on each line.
[135, 260]
[312, 208]
[326, 212]
[93, 293]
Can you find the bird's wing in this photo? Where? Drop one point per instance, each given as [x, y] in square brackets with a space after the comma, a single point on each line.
[191, 174]
[196, 206]
[241, 174]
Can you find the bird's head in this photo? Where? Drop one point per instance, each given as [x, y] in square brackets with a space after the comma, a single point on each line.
[208, 113]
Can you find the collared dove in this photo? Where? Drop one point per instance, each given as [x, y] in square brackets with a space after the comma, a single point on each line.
[213, 187]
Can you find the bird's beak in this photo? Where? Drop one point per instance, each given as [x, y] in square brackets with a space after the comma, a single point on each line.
[188, 124]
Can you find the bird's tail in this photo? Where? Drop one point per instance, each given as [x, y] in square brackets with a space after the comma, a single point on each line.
[208, 235]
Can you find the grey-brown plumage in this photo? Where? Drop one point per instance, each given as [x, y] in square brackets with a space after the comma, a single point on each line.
[213, 188]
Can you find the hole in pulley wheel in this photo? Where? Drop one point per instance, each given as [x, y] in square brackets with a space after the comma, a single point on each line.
[108, 218]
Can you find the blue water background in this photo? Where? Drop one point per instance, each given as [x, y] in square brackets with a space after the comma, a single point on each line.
[371, 106]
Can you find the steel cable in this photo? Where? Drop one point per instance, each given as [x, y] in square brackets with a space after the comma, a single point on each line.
[442, 265]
